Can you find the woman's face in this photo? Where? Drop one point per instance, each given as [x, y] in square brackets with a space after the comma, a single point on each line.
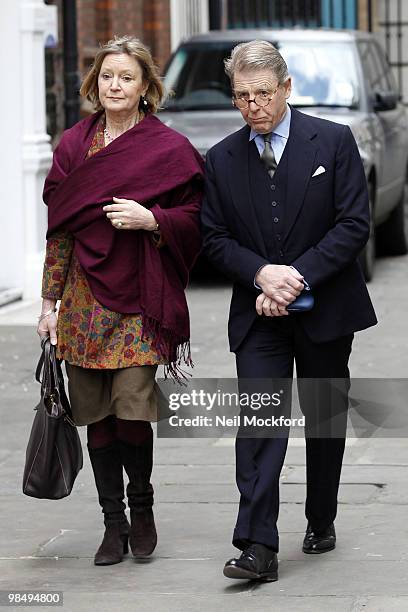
[120, 83]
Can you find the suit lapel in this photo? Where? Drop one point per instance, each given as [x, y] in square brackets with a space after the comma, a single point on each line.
[301, 158]
[238, 180]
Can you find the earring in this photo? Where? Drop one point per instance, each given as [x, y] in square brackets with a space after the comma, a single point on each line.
[144, 102]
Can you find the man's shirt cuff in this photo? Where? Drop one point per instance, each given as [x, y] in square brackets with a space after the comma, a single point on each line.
[255, 284]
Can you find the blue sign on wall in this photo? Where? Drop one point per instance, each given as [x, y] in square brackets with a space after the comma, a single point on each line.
[339, 14]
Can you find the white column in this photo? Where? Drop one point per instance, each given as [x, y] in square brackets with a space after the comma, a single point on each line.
[11, 199]
[187, 17]
[36, 148]
[26, 151]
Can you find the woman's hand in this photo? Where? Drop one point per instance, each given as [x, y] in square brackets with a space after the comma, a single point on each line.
[130, 215]
[47, 323]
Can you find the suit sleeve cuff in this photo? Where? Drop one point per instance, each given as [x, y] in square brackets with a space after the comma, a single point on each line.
[256, 274]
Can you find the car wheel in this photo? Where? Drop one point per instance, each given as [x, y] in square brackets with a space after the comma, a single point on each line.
[367, 256]
[392, 235]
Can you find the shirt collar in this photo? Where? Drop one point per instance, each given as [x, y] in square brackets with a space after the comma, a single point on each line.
[282, 129]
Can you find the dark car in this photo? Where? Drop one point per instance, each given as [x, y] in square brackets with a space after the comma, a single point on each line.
[342, 76]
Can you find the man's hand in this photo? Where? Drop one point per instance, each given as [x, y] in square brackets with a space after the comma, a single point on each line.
[268, 307]
[282, 284]
[130, 215]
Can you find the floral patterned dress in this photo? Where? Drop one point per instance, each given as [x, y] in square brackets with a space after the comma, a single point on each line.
[90, 335]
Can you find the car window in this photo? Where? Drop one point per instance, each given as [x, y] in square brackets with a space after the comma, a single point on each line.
[373, 67]
[386, 68]
[196, 78]
[323, 74]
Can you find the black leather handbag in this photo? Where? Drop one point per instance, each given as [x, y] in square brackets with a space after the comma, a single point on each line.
[54, 451]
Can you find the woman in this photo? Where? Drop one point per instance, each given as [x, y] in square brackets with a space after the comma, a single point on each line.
[123, 197]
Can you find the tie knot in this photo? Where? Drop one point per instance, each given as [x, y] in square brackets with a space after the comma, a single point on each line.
[267, 137]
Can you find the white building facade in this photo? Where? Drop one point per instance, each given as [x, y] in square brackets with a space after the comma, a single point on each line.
[26, 150]
[187, 17]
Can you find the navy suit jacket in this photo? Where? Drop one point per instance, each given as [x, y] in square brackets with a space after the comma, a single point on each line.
[326, 225]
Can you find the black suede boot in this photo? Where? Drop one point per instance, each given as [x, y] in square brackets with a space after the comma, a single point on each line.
[108, 472]
[138, 463]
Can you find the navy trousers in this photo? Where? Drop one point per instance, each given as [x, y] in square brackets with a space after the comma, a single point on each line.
[268, 352]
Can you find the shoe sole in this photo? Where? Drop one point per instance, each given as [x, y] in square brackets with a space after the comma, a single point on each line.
[146, 555]
[316, 551]
[143, 555]
[240, 573]
[104, 563]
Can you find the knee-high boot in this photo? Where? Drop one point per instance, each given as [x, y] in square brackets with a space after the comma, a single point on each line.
[108, 472]
[138, 463]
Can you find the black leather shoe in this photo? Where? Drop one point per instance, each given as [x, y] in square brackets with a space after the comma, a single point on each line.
[257, 562]
[316, 543]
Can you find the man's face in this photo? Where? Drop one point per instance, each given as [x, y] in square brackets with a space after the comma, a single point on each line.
[264, 84]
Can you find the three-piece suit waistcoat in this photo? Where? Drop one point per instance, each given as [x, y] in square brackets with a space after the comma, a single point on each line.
[269, 201]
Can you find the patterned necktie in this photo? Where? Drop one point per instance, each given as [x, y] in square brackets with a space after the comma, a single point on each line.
[268, 156]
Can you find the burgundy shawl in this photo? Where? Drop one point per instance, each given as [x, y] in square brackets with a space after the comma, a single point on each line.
[157, 167]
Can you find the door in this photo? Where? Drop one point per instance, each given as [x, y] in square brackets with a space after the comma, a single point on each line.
[392, 123]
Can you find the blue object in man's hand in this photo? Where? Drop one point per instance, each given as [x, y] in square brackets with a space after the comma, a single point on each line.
[304, 301]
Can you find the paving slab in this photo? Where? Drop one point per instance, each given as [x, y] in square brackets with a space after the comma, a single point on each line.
[50, 545]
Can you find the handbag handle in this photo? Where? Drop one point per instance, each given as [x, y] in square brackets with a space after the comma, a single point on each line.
[50, 369]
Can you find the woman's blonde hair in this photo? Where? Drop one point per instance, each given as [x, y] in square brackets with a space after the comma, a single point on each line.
[135, 48]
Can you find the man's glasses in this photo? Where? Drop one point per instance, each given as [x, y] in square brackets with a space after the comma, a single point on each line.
[261, 99]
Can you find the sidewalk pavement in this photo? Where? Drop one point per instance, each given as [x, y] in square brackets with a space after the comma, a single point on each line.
[49, 545]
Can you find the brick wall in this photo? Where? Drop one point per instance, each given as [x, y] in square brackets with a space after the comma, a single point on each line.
[97, 22]
[156, 27]
[100, 20]
[363, 20]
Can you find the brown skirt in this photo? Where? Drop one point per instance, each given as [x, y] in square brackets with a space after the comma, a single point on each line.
[128, 393]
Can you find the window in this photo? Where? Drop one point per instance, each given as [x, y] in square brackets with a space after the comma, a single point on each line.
[323, 74]
[196, 78]
[389, 76]
[264, 13]
[373, 67]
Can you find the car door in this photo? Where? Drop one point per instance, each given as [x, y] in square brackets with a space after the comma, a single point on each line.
[391, 167]
[398, 124]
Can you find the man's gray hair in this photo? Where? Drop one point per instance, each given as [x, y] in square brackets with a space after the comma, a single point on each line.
[256, 55]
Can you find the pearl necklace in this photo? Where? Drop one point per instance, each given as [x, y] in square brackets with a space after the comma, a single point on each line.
[111, 138]
[107, 136]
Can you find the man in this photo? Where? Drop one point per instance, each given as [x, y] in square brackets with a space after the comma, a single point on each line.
[286, 207]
